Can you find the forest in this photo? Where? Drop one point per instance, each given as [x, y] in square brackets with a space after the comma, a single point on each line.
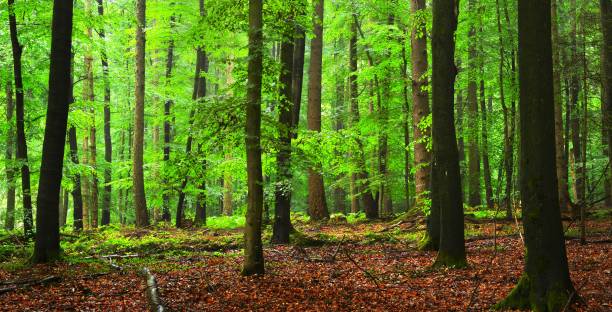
[306, 155]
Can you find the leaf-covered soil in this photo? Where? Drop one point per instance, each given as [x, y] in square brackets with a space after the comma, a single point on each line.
[341, 267]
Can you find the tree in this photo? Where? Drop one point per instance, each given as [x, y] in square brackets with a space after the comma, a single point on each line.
[140, 201]
[90, 141]
[282, 194]
[22, 147]
[108, 144]
[253, 249]
[446, 179]
[606, 69]
[474, 197]
[47, 244]
[317, 205]
[420, 100]
[545, 284]
[9, 222]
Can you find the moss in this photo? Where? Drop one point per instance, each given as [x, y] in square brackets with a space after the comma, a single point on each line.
[521, 297]
[518, 297]
[427, 244]
[445, 260]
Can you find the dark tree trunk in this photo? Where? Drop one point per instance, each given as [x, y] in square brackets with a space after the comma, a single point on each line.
[575, 112]
[317, 205]
[140, 201]
[339, 192]
[65, 206]
[474, 195]
[485, 147]
[108, 145]
[47, 244]
[406, 128]
[446, 178]
[88, 96]
[282, 193]
[9, 222]
[77, 198]
[606, 68]
[200, 216]
[420, 100]
[167, 128]
[22, 147]
[253, 249]
[297, 80]
[545, 284]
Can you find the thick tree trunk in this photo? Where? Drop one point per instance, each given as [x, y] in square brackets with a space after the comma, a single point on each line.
[140, 201]
[545, 284]
[282, 193]
[253, 249]
[9, 221]
[420, 108]
[317, 205]
[47, 244]
[108, 145]
[485, 147]
[606, 69]
[22, 147]
[561, 161]
[446, 178]
[474, 195]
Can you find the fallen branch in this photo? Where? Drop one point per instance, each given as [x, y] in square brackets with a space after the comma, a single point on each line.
[115, 256]
[110, 262]
[366, 272]
[24, 284]
[155, 304]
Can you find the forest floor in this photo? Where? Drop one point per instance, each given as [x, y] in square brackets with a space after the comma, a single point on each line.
[360, 266]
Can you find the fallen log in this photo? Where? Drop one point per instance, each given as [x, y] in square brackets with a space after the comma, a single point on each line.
[155, 304]
[25, 284]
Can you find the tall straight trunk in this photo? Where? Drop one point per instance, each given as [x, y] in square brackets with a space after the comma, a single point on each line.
[406, 127]
[47, 244]
[228, 188]
[282, 193]
[545, 284]
[485, 146]
[108, 145]
[253, 249]
[140, 201]
[575, 113]
[22, 147]
[384, 195]
[606, 69]
[61, 209]
[85, 184]
[474, 195]
[200, 92]
[167, 127]
[460, 107]
[64, 205]
[339, 192]
[122, 194]
[420, 100]
[561, 161]
[88, 95]
[446, 179]
[297, 79]
[77, 198]
[9, 222]
[317, 205]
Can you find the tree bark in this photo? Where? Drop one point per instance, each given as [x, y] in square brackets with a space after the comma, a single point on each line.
[282, 193]
[474, 195]
[297, 79]
[575, 112]
[167, 127]
[140, 201]
[446, 178]
[47, 244]
[9, 222]
[88, 95]
[606, 69]
[339, 113]
[485, 147]
[253, 249]
[420, 100]
[406, 127]
[85, 184]
[545, 284]
[317, 205]
[22, 147]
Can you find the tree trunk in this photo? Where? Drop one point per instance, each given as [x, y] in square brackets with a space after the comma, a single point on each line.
[65, 207]
[485, 147]
[606, 69]
[85, 184]
[282, 193]
[77, 198]
[200, 217]
[339, 113]
[561, 161]
[575, 114]
[420, 100]
[88, 95]
[167, 127]
[297, 79]
[545, 284]
[22, 147]
[474, 195]
[228, 188]
[47, 244]
[446, 178]
[406, 127]
[253, 249]
[9, 222]
[140, 201]
[317, 205]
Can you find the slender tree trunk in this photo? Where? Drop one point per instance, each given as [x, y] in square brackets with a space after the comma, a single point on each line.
[606, 70]
[339, 193]
[282, 193]
[167, 127]
[85, 184]
[446, 179]
[561, 161]
[420, 100]
[253, 249]
[47, 244]
[22, 147]
[108, 145]
[474, 197]
[65, 207]
[545, 284]
[575, 114]
[77, 198]
[140, 201]
[200, 218]
[317, 205]
[485, 147]
[406, 127]
[9, 222]
[297, 79]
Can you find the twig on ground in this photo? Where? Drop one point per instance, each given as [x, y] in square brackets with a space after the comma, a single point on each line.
[19, 285]
[366, 272]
